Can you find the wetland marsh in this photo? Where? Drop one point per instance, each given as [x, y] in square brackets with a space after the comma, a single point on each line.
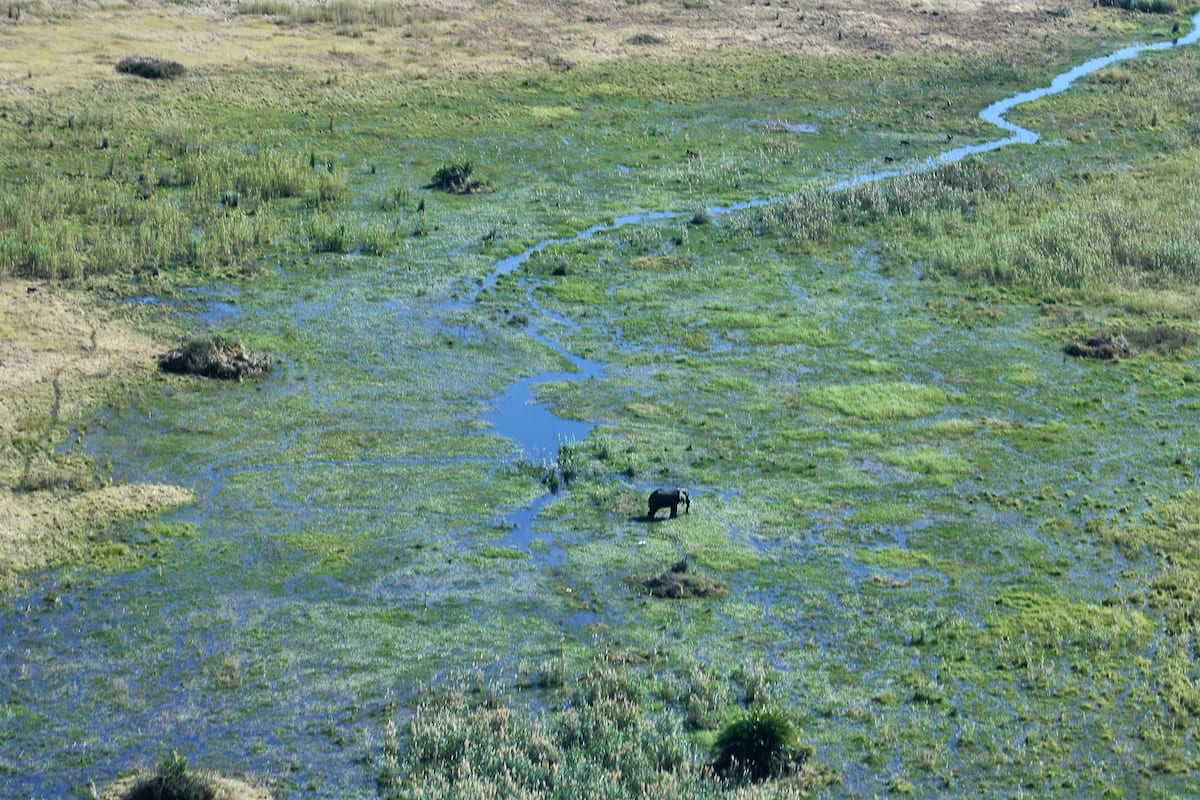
[959, 560]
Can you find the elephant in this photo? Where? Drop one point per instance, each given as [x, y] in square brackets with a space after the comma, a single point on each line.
[662, 498]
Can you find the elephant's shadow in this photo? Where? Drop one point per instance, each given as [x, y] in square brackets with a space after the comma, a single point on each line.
[646, 519]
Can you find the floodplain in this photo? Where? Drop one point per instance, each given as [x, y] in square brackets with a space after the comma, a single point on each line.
[960, 561]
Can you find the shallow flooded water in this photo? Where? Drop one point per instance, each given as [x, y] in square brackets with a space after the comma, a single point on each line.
[337, 556]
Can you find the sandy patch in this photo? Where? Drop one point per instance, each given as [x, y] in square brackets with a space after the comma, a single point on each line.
[57, 355]
[72, 44]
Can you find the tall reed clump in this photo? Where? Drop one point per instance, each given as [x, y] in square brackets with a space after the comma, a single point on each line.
[814, 217]
[337, 12]
[195, 205]
[1119, 232]
[602, 739]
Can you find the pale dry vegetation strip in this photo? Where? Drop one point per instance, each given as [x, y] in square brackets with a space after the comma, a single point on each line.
[52, 44]
[57, 356]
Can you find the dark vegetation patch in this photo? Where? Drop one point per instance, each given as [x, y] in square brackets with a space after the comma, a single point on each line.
[681, 582]
[761, 745]
[216, 358]
[1107, 345]
[1101, 345]
[457, 179]
[151, 68]
[1146, 6]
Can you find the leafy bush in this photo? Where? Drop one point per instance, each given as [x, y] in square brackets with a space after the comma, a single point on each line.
[762, 745]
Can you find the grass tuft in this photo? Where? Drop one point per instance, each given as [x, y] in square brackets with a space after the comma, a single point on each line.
[759, 746]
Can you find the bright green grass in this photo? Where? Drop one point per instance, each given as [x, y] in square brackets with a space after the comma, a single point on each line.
[879, 401]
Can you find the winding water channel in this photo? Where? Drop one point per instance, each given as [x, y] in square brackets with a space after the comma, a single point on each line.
[514, 417]
[85, 707]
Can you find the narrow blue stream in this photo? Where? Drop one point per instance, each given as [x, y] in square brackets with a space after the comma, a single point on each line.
[536, 430]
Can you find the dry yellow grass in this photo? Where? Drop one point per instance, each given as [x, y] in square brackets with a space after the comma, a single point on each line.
[56, 353]
[63, 44]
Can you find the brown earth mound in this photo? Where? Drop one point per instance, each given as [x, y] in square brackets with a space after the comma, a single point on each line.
[215, 358]
[206, 786]
[1101, 345]
[680, 582]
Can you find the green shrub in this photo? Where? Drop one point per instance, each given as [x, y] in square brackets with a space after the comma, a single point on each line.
[761, 745]
[326, 235]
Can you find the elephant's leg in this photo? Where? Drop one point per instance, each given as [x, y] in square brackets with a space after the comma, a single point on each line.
[674, 510]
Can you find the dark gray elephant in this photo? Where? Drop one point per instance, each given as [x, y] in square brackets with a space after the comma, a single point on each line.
[663, 498]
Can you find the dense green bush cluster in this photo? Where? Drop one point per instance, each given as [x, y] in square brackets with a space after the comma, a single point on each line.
[763, 744]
